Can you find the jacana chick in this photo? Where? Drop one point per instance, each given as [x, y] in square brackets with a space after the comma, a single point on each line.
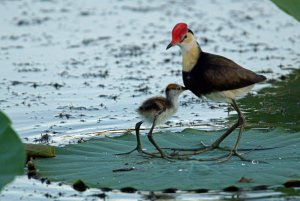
[157, 110]
[213, 76]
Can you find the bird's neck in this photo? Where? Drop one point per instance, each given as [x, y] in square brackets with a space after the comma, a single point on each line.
[173, 100]
[190, 55]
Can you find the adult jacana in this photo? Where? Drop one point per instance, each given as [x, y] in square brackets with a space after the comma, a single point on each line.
[214, 77]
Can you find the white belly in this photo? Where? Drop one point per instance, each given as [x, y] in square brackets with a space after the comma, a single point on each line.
[227, 96]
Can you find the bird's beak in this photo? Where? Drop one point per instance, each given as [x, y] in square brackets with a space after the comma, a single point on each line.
[169, 46]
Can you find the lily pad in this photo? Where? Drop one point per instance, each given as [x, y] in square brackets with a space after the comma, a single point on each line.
[12, 157]
[291, 7]
[95, 162]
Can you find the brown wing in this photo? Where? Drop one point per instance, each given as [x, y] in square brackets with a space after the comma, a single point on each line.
[217, 73]
[153, 104]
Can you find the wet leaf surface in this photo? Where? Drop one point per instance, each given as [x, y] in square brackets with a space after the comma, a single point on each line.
[94, 162]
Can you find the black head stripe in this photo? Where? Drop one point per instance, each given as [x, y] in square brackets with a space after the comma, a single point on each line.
[190, 31]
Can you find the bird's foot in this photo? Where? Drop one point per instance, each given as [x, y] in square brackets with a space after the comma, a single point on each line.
[147, 154]
[234, 152]
[138, 149]
[158, 155]
[218, 159]
[230, 155]
[203, 146]
[193, 151]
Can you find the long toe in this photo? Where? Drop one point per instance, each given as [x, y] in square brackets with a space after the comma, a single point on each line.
[231, 154]
[203, 147]
[196, 151]
[138, 149]
[157, 155]
[240, 156]
[127, 153]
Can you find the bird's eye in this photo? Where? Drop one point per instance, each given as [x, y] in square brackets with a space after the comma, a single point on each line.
[184, 37]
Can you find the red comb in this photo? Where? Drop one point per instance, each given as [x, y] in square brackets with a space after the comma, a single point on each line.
[178, 31]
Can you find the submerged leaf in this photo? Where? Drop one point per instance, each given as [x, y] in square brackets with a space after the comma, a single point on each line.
[276, 106]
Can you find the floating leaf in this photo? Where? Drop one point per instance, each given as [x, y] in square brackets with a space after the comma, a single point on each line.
[39, 150]
[12, 154]
[291, 7]
[94, 162]
[289, 191]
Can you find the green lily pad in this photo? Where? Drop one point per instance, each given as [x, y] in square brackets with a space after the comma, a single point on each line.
[95, 162]
[291, 7]
[12, 157]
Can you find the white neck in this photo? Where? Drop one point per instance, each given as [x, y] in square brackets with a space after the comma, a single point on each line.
[190, 53]
[173, 98]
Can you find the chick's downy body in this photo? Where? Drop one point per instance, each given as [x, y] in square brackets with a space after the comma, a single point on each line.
[161, 108]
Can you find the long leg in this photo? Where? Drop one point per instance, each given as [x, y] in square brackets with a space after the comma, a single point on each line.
[241, 123]
[150, 137]
[138, 147]
[216, 144]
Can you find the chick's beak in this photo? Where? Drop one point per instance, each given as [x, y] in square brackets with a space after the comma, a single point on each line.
[169, 46]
